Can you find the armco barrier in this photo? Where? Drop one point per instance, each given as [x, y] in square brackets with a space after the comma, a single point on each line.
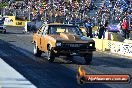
[121, 48]
[102, 44]
[98, 43]
[128, 41]
[106, 45]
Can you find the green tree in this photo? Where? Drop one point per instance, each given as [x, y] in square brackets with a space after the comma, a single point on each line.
[3, 4]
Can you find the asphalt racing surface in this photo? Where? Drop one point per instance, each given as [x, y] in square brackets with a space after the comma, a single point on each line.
[16, 50]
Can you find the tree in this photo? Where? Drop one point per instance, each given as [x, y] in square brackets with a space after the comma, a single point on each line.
[3, 4]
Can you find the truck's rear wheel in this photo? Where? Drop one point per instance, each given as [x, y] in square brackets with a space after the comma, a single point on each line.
[88, 58]
[36, 51]
[50, 55]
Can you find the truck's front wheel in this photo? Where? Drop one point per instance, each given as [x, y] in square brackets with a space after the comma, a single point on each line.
[50, 55]
[36, 51]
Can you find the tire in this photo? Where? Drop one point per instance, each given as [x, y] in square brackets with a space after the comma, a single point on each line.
[88, 58]
[50, 55]
[36, 51]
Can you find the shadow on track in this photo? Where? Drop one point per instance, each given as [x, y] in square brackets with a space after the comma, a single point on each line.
[112, 61]
[42, 74]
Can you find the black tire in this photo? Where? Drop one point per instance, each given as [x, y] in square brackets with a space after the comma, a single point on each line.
[88, 58]
[50, 55]
[36, 51]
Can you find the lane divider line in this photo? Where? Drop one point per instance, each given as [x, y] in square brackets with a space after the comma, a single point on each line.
[9, 77]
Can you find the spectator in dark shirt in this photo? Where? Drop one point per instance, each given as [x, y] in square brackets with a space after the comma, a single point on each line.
[102, 30]
[88, 25]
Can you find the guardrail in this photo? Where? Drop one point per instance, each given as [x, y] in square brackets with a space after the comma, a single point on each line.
[121, 48]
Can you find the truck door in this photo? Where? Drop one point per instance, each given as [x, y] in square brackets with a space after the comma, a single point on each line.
[39, 37]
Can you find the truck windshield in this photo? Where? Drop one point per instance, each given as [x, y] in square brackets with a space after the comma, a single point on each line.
[55, 29]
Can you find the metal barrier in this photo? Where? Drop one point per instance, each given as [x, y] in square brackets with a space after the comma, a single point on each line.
[121, 48]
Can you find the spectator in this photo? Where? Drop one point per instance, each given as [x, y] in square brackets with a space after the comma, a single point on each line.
[101, 31]
[88, 25]
[125, 27]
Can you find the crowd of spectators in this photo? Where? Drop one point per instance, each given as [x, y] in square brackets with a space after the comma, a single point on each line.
[72, 12]
[68, 11]
[114, 12]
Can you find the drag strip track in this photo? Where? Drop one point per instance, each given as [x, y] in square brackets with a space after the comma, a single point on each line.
[16, 50]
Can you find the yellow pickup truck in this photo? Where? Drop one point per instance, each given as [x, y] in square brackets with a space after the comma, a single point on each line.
[56, 40]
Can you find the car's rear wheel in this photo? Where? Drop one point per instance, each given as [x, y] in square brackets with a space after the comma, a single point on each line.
[36, 51]
[88, 58]
[50, 55]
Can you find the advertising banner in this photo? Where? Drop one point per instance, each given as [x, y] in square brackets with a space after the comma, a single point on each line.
[19, 23]
[9, 21]
[121, 48]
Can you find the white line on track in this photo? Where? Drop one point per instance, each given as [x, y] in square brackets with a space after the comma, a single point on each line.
[10, 78]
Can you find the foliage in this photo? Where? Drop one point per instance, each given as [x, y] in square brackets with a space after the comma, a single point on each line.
[3, 4]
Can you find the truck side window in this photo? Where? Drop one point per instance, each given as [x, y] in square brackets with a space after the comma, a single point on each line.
[52, 30]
